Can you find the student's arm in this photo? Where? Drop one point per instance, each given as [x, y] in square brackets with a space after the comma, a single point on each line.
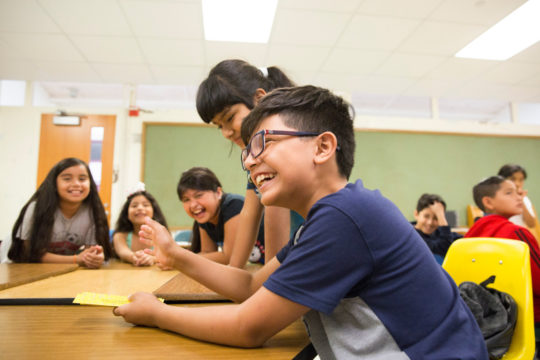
[277, 229]
[121, 248]
[92, 257]
[233, 283]
[529, 216]
[209, 248]
[249, 220]
[248, 324]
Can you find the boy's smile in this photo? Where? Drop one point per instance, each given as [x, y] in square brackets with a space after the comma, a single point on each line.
[277, 171]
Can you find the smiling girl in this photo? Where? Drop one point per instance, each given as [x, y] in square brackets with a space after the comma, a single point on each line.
[64, 221]
[138, 205]
[229, 93]
[216, 215]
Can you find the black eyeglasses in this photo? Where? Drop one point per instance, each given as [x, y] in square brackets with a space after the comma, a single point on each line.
[257, 143]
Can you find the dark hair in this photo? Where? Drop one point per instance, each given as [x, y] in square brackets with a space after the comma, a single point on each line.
[313, 109]
[426, 200]
[47, 202]
[235, 82]
[508, 170]
[487, 187]
[201, 179]
[124, 225]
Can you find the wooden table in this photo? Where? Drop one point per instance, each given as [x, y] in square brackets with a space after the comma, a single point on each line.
[122, 279]
[31, 331]
[18, 274]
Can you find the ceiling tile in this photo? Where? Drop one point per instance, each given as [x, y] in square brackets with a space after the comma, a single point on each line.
[217, 51]
[316, 28]
[509, 73]
[109, 49]
[17, 69]
[408, 65]
[531, 54]
[483, 12]
[165, 19]
[172, 51]
[65, 71]
[382, 84]
[325, 5]
[418, 9]
[25, 16]
[376, 33]
[124, 73]
[354, 61]
[179, 74]
[433, 87]
[440, 38]
[303, 58]
[42, 46]
[461, 69]
[96, 17]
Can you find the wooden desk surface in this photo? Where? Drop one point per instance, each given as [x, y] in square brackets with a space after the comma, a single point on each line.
[116, 278]
[84, 332]
[17, 274]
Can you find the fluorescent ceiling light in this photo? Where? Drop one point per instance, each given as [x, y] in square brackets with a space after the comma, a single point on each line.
[516, 32]
[238, 20]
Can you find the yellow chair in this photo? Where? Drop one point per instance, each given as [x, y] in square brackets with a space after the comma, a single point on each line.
[473, 212]
[476, 259]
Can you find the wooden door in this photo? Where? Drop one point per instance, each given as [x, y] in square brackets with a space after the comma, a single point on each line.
[91, 141]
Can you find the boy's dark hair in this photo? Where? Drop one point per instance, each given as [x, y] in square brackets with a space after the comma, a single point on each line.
[426, 200]
[202, 179]
[235, 82]
[487, 187]
[508, 170]
[124, 225]
[313, 109]
[47, 202]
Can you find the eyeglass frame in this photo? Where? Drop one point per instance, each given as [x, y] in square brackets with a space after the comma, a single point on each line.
[247, 149]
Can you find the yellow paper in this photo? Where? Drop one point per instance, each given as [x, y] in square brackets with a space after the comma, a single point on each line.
[89, 298]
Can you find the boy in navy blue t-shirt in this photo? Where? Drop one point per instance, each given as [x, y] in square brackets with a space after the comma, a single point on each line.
[361, 277]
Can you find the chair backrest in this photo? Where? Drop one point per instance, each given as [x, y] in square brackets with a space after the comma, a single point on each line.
[473, 212]
[476, 259]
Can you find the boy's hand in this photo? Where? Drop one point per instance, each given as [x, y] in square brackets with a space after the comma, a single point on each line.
[141, 310]
[154, 234]
[91, 257]
[140, 258]
[438, 209]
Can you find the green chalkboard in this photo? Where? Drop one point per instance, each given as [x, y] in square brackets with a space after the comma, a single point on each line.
[401, 165]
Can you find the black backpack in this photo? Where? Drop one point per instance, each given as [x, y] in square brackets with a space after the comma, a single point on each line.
[495, 312]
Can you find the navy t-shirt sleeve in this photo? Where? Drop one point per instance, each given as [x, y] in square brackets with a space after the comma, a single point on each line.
[308, 276]
[232, 205]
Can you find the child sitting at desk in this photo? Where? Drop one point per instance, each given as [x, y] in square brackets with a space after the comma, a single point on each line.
[356, 270]
[64, 221]
[432, 226]
[216, 216]
[499, 199]
[126, 241]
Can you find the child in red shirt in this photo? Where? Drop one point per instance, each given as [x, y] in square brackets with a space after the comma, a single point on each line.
[499, 200]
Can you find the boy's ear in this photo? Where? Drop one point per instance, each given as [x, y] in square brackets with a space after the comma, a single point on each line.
[416, 214]
[488, 203]
[259, 93]
[326, 147]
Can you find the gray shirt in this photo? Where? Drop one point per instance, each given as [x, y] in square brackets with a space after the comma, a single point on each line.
[69, 234]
